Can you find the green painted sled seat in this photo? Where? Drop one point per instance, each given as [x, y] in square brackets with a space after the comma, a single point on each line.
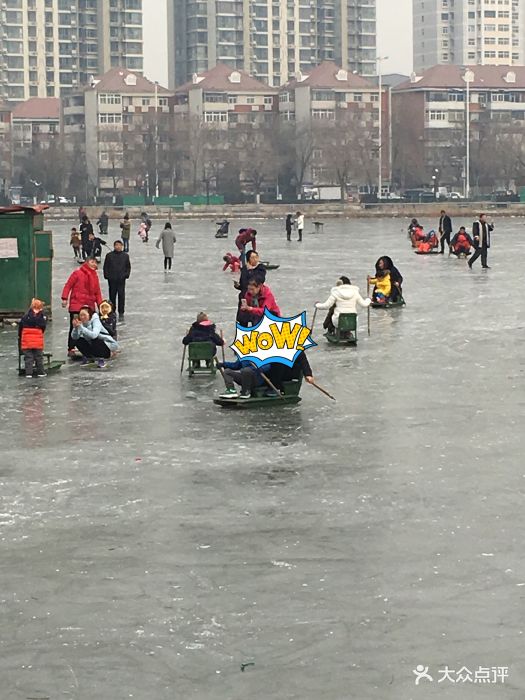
[201, 358]
[346, 332]
[50, 365]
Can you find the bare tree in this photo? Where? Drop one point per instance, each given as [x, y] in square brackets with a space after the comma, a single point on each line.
[349, 149]
[260, 159]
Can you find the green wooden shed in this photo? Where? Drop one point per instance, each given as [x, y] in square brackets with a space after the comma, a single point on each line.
[26, 260]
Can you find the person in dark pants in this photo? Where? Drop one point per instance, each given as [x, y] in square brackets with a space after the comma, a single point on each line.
[103, 223]
[31, 331]
[117, 269]
[289, 227]
[86, 228]
[241, 372]
[92, 339]
[445, 230]
[481, 231]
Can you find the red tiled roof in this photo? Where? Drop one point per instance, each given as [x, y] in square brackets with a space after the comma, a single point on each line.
[115, 81]
[218, 79]
[448, 76]
[324, 76]
[38, 108]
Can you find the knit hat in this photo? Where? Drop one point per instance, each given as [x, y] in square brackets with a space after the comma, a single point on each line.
[37, 305]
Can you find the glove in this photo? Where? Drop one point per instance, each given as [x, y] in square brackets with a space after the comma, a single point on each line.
[220, 365]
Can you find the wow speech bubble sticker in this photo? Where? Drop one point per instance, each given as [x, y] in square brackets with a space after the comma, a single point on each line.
[273, 339]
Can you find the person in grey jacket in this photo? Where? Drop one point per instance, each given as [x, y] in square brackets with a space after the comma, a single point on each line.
[168, 240]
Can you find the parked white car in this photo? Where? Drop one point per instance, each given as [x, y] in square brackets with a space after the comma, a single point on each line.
[455, 196]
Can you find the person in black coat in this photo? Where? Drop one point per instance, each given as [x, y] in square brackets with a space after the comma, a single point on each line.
[279, 373]
[396, 278]
[117, 269]
[289, 227]
[85, 229]
[481, 231]
[445, 230]
[93, 247]
[203, 330]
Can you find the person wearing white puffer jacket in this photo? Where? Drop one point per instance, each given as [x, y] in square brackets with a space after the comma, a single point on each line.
[344, 298]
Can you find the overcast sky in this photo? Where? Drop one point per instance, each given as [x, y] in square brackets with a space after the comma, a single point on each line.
[394, 37]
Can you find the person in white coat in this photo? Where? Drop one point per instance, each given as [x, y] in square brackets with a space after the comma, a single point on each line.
[168, 240]
[299, 222]
[344, 298]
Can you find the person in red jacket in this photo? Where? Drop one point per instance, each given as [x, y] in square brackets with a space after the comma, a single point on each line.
[246, 235]
[231, 261]
[81, 289]
[258, 297]
[31, 338]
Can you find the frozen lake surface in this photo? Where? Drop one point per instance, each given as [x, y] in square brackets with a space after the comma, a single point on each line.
[152, 543]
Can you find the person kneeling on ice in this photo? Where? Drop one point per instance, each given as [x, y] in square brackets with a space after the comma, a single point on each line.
[31, 329]
[232, 262]
[92, 339]
[244, 373]
[202, 331]
[258, 297]
[382, 286]
[345, 298]
[462, 243]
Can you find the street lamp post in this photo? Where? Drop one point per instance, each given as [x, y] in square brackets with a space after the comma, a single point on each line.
[380, 60]
[468, 78]
[156, 139]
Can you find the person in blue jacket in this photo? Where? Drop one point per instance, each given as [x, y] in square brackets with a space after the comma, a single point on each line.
[92, 339]
[244, 373]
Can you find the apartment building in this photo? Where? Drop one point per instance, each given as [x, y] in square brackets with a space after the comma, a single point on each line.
[51, 47]
[468, 32]
[120, 127]
[36, 123]
[329, 99]
[430, 110]
[224, 97]
[6, 151]
[269, 40]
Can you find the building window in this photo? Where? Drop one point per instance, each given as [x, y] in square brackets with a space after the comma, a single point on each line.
[109, 99]
[215, 117]
[214, 97]
[435, 115]
[250, 100]
[110, 118]
[324, 114]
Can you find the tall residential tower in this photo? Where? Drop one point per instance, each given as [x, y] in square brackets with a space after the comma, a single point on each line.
[49, 47]
[468, 32]
[270, 39]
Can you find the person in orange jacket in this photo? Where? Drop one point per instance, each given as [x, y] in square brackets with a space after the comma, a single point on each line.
[31, 330]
